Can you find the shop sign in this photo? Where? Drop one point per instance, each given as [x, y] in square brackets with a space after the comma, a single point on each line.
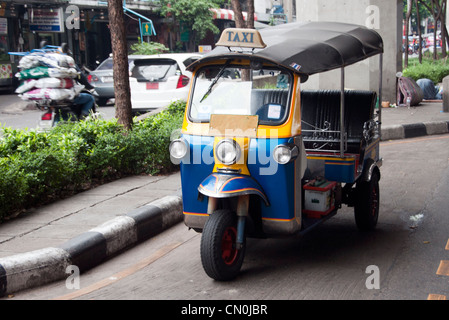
[147, 28]
[46, 20]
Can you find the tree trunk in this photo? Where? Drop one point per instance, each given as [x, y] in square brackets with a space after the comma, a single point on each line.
[443, 29]
[407, 21]
[443, 26]
[240, 23]
[250, 21]
[419, 32]
[238, 15]
[447, 34]
[120, 64]
[435, 24]
[438, 14]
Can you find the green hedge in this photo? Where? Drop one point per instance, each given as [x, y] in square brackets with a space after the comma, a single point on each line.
[429, 69]
[36, 168]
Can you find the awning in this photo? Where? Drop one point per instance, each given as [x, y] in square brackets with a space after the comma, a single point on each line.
[226, 14]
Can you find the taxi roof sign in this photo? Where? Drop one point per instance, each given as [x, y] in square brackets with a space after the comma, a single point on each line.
[239, 37]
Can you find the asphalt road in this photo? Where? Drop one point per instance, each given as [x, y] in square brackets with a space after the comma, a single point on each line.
[400, 260]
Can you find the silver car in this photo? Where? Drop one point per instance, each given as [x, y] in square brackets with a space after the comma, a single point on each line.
[102, 79]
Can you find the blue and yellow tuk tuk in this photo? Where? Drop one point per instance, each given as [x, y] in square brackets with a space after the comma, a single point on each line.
[261, 158]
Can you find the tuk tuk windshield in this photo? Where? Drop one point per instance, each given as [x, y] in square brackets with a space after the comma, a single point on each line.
[236, 90]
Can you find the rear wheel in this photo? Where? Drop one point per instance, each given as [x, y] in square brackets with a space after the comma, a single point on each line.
[366, 208]
[220, 256]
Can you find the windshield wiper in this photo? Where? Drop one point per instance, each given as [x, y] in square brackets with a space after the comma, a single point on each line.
[217, 77]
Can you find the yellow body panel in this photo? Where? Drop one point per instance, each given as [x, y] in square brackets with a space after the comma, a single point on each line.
[241, 163]
[290, 128]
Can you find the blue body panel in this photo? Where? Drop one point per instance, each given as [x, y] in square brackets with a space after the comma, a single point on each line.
[194, 170]
[274, 180]
[340, 170]
[222, 185]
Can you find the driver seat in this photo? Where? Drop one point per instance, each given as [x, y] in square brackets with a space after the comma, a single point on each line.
[262, 98]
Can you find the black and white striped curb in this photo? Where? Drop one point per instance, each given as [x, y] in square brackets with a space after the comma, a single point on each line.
[39, 267]
[413, 130]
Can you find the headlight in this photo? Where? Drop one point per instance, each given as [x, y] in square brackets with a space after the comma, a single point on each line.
[284, 153]
[227, 151]
[178, 148]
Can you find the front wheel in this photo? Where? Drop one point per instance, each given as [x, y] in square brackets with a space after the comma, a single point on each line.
[366, 207]
[220, 256]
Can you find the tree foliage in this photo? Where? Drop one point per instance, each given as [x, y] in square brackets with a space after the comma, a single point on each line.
[148, 48]
[423, 12]
[37, 168]
[438, 10]
[196, 15]
[422, 9]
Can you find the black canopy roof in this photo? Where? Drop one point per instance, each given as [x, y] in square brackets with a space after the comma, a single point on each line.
[309, 47]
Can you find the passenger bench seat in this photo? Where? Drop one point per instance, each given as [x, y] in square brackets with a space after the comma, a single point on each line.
[319, 107]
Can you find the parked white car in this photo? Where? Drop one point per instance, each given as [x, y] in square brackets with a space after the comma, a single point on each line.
[158, 80]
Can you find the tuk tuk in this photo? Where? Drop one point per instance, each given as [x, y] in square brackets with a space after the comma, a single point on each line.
[258, 156]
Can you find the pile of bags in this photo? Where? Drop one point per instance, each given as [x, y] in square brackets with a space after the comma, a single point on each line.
[48, 76]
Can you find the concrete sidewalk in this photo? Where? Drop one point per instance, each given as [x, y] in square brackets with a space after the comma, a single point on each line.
[56, 223]
[425, 119]
[37, 246]
[84, 230]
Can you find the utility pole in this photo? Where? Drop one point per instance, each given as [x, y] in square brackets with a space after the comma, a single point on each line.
[288, 7]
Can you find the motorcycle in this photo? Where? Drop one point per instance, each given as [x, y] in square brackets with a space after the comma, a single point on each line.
[56, 106]
[54, 112]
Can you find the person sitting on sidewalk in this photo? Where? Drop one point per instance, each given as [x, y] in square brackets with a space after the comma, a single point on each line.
[429, 89]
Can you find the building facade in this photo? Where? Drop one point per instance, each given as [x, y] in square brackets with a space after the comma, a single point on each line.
[383, 16]
[83, 24]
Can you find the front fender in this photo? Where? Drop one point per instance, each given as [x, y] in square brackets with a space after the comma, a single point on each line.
[219, 185]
